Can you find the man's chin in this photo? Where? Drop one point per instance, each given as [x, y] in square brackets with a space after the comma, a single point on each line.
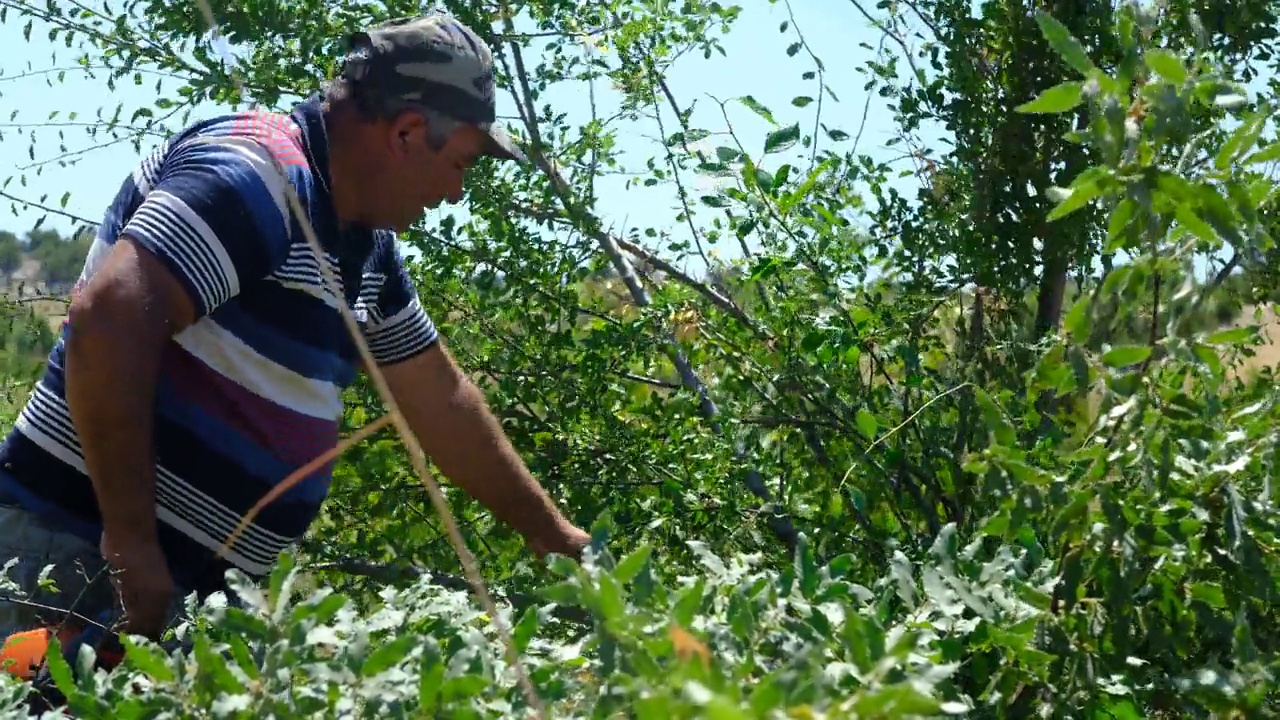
[407, 224]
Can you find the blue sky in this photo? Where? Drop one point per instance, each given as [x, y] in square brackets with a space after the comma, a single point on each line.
[755, 63]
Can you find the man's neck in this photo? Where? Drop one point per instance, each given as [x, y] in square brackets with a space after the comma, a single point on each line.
[340, 167]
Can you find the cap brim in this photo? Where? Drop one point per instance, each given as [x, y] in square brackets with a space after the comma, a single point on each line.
[502, 146]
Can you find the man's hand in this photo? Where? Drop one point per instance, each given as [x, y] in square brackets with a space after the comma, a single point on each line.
[452, 421]
[567, 540]
[141, 578]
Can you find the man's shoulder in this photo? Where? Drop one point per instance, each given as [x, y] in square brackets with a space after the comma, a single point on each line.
[274, 136]
[256, 155]
[256, 124]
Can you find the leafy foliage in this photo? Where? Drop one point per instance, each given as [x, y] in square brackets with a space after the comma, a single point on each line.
[813, 492]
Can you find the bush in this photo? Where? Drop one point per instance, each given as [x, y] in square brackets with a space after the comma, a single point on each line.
[941, 508]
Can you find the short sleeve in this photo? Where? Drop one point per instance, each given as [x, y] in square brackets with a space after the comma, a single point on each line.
[399, 327]
[216, 215]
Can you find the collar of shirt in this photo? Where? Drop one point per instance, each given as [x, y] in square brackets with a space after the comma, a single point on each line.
[315, 138]
[353, 242]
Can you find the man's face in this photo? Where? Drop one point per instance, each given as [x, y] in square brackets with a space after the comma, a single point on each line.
[420, 177]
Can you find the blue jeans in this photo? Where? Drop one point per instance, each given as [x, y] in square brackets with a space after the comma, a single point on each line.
[79, 573]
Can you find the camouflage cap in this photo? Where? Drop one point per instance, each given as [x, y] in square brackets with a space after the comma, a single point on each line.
[435, 61]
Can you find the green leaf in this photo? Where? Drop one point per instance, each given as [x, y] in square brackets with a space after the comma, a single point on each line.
[759, 177]
[213, 668]
[780, 177]
[430, 681]
[1231, 336]
[1120, 709]
[722, 708]
[1266, 154]
[632, 564]
[1072, 515]
[759, 109]
[898, 700]
[765, 267]
[805, 567]
[1085, 188]
[1191, 221]
[463, 686]
[767, 694]
[146, 659]
[1209, 593]
[803, 191]
[727, 154]
[386, 656]
[1242, 139]
[866, 424]
[801, 100]
[782, 138]
[996, 419]
[1078, 321]
[1057, 99]
[1126, 355]
[741, 619]
[1166, 65]
[562, 593]
[688, 602]
[612, 605]
[1064, 43]
[59, 670]
[525, 629]
[1121, 217]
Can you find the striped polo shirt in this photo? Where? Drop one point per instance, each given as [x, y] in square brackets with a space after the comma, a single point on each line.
[251, 391]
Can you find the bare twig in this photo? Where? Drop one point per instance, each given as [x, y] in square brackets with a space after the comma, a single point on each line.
[705, 290]
[742, 241]
[40, 606]
[822, 83]
[46, 208]
[301, 474]
[681, 191]
[657, 263]
[866, 105]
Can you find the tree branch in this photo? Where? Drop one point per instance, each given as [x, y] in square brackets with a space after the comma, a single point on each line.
[779, 523]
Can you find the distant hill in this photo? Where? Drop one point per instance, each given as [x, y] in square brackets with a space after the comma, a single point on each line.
[39, 268]
[41, 261]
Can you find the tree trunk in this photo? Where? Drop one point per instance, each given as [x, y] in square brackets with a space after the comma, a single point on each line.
[1053, 285]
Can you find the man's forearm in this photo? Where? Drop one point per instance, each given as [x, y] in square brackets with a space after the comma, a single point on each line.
[110, 386]
[468, 445]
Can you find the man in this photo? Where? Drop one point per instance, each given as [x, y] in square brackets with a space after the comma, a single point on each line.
[203, 355]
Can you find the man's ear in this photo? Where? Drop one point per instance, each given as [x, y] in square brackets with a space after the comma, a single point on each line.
[406, 129]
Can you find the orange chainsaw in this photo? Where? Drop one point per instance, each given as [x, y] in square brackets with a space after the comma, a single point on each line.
[24, 656]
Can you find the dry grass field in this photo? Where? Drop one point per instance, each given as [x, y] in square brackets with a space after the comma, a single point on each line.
[1268, 354]
[54, 311]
